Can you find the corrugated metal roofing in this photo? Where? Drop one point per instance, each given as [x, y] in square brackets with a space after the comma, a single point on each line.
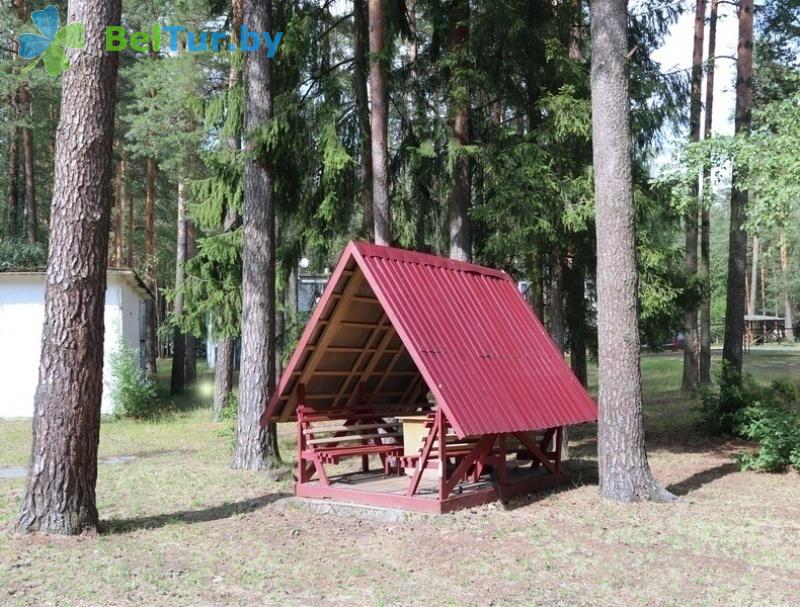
[482, 352]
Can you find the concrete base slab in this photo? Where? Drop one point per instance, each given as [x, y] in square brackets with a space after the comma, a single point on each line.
[344, 509]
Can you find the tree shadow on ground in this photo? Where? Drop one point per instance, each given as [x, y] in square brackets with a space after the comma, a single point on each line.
[697, 480]
[579, 472]
[189, 517]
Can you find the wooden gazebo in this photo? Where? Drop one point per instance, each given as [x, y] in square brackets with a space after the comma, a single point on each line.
[434, 378]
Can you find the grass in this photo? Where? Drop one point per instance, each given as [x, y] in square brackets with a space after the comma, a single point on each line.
[182, 528]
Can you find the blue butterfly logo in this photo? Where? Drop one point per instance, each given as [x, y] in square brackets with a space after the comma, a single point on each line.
[50, 46]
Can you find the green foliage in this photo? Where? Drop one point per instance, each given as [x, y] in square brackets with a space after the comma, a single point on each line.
[133, 394]
[769, 415]
[721, 409]
[775, 423]
[213, 287]
[20, 255]
[230, 415]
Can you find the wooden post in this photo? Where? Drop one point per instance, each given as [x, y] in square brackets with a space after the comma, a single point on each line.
[501, 469]
[423, 459]
[441, 421]
[302, 477]
[559, 442]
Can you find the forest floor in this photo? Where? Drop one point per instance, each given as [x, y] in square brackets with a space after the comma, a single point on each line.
[181, 528]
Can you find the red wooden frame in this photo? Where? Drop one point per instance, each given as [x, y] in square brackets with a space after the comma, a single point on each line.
[487, 452]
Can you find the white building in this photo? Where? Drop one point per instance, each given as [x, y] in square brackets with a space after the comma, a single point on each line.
[21, 320]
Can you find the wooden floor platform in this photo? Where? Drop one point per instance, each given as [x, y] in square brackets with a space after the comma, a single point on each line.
[376, 489]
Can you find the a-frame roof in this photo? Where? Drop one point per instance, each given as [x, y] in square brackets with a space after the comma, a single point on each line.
[400, 323]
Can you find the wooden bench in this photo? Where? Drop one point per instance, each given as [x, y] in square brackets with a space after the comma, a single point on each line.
[459, 448]
[327, 437]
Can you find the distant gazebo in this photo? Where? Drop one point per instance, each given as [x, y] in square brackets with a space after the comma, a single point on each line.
[761, 329]
[433, 378]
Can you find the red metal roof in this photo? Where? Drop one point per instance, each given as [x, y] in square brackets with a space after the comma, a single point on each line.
[482, 352]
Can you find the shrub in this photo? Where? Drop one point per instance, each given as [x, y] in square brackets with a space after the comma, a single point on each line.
[768, 415]
[776, 427]
[133, 393]
[19, 255]
[720, 410]
[230, 414]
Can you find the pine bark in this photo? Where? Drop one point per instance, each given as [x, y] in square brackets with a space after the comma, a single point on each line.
[379, 122]
[787, 302]
[31, 221]
[751, 301]
[257, 379]
[119, 203]
[691, 362]
[190, 352]
[576, 319]
[624, 471]
[416, 104]
[360, 79]
[705, 219]
[224, 363]
[131, 220]
[459, 200]
[12, 181]
[178, 378]
[576, 32]
[22, 108]
[60, 493]
[151, 340]
[737, 246]
[557, 324]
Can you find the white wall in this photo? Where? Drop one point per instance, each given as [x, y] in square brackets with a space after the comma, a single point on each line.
[21, 319]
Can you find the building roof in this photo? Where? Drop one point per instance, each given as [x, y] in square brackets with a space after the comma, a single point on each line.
[127, 274]
[394, 319]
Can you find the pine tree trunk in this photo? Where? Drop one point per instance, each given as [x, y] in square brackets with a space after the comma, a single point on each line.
[360, 77]
[60, 493]
[224, 363]
[257, 378]
[223, 375]
[22, 109]
[118, 208]
[576, 32]
[556, 325]
[379, 120]
[12, 182]
[151, 339]
[787, 303]
[421, 184]
[751, 302]
[576, 319]
[190, 353]
[737, 246]
[178, 378]
[624, 471]
[705, 219]
[459, 200]
[131, 219]
[31, 222]
[691, 371]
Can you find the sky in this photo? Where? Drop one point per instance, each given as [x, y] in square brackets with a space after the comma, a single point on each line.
[676, 54]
